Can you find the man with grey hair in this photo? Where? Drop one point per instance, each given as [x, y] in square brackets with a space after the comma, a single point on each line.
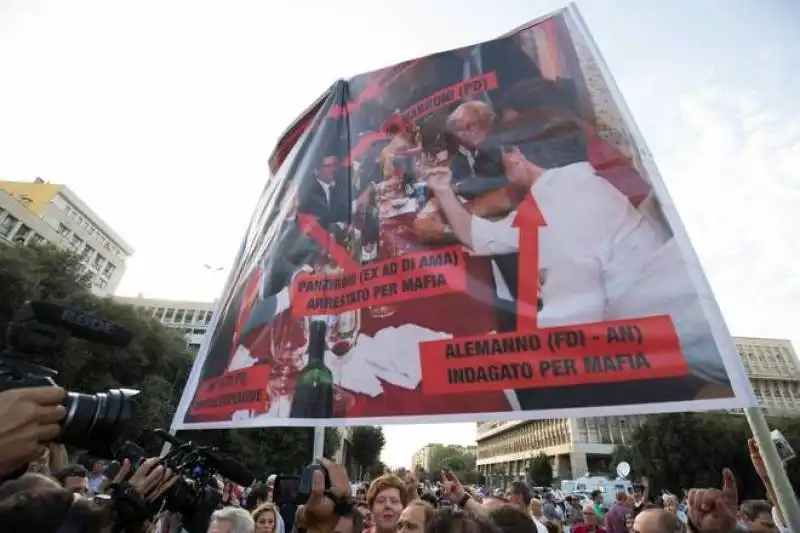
[231, 520]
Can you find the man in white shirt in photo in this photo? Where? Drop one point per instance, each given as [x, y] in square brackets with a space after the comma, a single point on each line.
[599, 259]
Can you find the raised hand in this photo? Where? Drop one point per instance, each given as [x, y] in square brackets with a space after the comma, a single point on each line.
[452, 489]
[714, 510]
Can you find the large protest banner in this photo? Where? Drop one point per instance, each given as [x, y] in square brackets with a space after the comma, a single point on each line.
[478, 234]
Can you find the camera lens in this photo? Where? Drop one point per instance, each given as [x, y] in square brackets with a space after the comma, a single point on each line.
[95, 421]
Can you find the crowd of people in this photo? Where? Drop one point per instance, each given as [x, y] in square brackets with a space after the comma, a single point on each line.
[43, 493]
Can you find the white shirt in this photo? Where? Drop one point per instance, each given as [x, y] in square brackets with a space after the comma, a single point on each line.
[326, 187]
[600, 259]
[591, 248]
[94, 484]
[540, 528]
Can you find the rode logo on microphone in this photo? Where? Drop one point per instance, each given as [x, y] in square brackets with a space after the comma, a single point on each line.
[87, 321]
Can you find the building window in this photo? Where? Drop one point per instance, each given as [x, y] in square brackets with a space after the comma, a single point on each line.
[168, 315]
[7, 225]
[108, 271]
[189, 316]
[63, 229]
[37, 239]
[100, 282]
[201, 315]
[22, 234]
[179, 315]
[98, 262]
[159, 313]
[87, 252]
[208, 317]
[76, 242]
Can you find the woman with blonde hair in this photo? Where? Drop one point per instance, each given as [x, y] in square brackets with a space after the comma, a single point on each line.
[268, 519]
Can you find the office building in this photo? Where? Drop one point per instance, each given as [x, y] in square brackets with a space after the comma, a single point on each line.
[774, 372]
[39, 211]
[190, 318]
[577, 446]
[423, 457]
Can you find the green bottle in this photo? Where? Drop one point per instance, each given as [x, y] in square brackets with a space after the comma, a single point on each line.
[313, 393]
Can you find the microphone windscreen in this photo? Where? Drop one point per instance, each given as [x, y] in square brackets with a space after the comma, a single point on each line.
[236, 472]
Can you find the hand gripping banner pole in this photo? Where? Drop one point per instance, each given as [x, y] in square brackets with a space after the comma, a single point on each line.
[775, 471]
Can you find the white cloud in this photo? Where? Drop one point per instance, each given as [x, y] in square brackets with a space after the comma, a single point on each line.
[734, 177]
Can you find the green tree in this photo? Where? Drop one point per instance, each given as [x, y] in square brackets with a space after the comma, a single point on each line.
[456, 458]
[156, 362]
[378, 469]
[453, 457]
[366, 445]
[540, 473]
[680, 451]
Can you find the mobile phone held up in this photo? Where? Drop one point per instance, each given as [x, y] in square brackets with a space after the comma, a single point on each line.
[785, 450]
[285, 489]
[297, 489]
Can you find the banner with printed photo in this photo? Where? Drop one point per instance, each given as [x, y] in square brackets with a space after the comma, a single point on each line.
[478, 234]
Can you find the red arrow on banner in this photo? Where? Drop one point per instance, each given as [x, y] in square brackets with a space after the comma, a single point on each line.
[309, 225]
[528, 220]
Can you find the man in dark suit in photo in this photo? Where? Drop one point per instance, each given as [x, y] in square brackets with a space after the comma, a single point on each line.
[327, 195]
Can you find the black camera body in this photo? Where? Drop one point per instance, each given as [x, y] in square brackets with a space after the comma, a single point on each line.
[93, 421]
[197, 494]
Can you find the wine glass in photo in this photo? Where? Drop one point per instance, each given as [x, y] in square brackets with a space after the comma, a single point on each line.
[289, 340]
[341, 339]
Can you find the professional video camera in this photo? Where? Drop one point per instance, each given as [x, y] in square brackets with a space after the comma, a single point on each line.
[93, 421]
[196, 496]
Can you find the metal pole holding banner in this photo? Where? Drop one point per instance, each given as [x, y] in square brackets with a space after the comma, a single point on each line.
[777, 473]
[319, 443]
[758, 424]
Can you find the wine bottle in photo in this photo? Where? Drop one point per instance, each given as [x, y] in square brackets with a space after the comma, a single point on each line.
[313, 393]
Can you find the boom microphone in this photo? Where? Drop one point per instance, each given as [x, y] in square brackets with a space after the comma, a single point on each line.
[227, 467]
[235, 471]
[82, 325]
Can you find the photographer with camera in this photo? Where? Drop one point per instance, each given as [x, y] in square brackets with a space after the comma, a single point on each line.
[47, 508]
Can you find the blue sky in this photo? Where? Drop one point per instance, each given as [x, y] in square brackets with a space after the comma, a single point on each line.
[161, 115]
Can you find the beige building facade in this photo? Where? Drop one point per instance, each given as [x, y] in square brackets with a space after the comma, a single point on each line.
[39, 211]
[774, 372]
[190, 318]
[580, 446]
